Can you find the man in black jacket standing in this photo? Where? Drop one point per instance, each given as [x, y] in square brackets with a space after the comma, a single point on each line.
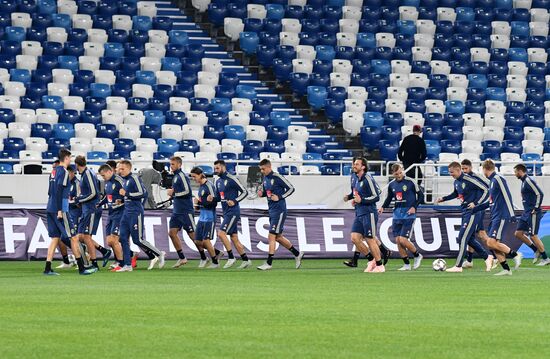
[411, 151]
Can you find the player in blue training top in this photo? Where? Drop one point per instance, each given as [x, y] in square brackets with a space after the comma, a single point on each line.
[230, 191]
[59, 222]
[407, 196]
[471, 192]
[502, 214]
[131, 224]
[529, 222]
[182, 211]
[88, 199]
[276, 188]
[115, 205]
[206, 226]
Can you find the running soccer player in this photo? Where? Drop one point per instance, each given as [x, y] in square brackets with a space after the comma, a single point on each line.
[89, 220]
[206, 226]
[131, 225]
[230, 191]
[364, 195]
[276, 188]
[502, 214]
[348, 197]
[471, 192]
[529, 222]
[60, 225]
[115, 204]
[74, 213]
[481, 234]
[408, 196]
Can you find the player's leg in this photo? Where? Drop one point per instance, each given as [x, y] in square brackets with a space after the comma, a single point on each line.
[271, 238]
[136, 232]
[467, 229]
[175, 226]
[63, 249]
[522, 230]
[501, 250]
[405, 234]
[229, 222]
[54, 234]
[397, 225]
[204, 234]
[282, 240]
[369, 232]
[124, 240]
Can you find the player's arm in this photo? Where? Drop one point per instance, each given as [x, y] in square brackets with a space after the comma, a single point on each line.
[507, 197]
[243, 193]
[211, 192]
[388, 199]
[91, 185]
[452, 195]
[374, 195]
[61, 183]
[135, 188]
[289, 188]
[537, 191]
[479, 186]
[261, 191]
[183, 190]
[419, 195]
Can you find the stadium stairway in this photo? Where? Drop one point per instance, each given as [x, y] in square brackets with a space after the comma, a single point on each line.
[266, 76]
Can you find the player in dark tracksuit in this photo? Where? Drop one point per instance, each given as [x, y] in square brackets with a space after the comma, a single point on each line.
[470, 192]
[182, 212]
[502, 214]
[407, 196]
[59, 222]
[276, 188]
[529, 223]
[206, 226]
[481, 233]
[230, 191]
[131, 225]
[115, 203]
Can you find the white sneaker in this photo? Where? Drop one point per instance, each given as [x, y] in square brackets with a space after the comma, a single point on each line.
[517, 260]
[299, 260]
[65, 266]
[543, 262]
[125, 269]
[536, 257]
[405, 267]
[229, 263]
[179, 263]
[417, 261]
[213, 266]
[264, 266]
[495, 264]
[489, 263]
[152, 263]
[203, 263]
[245, 264]
[161, 259]
[504, 272]
[467, 264]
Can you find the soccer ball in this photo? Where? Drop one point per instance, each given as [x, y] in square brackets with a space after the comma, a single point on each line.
[439, 265]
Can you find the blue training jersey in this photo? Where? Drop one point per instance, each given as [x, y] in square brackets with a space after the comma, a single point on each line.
[112, 198]
[89, 190]
[368, 190]
[136, 193]
[468, 190]
[406, 194]
[59, 190]
[228, 187]
[207, 209]
[531, 195]
[183, 196]
[275, 183]
[500, 199]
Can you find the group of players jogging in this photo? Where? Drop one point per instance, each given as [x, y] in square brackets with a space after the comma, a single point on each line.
[75, 206]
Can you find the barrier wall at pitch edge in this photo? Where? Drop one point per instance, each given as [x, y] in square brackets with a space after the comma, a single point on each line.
[319, 233]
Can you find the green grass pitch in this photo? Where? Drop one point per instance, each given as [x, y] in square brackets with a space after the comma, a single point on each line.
[323, 310]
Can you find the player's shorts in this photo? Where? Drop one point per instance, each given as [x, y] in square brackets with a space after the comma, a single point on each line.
[530, 223]
[402, 227]
[230, 222]
[480, 216]
[89, 222]
[75, 215]
[365, 225]
[60, 227]
[497, 228]
[113, 224]
[205, 230]
[277, 222]
[185, 221]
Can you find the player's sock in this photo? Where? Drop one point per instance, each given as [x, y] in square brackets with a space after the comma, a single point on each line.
[505, 265]
[370, 257]
[80, 264]
[533, 247]
[180, 254]
[230, 254]
[94, 263]
[217, 251]
[493, 254]
[379, 263]
[48, 267]
[202, 254]
[355, 257]
[103, 250]
[244, 257]
[543, 255]
[416, 254]
[470, 257]
[214, 260]
[383, 251]
[270, 259]
[66, 260]
[512, 254]
[406, 260]
[294, 251]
